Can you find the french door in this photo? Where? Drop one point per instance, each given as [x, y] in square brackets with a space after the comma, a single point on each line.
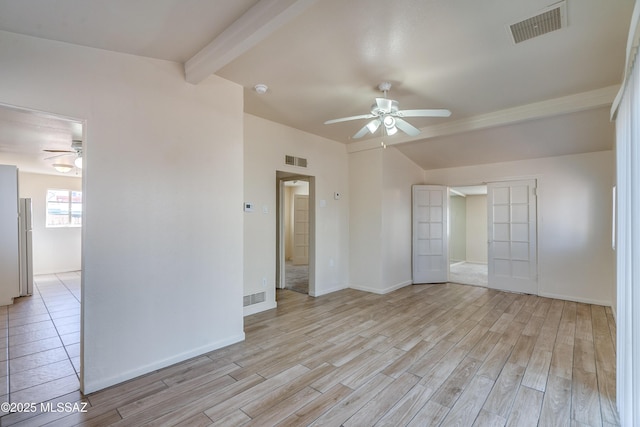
[430, 234]
[512, 251]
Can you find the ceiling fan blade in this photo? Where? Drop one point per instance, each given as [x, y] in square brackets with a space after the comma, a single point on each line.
[424, 113]
[346, 119]
[362, 132]
[59, 151]
[372, 126]
[59, 155]
[406, 127]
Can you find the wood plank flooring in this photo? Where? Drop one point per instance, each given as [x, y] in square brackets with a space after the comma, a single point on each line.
[423, 355]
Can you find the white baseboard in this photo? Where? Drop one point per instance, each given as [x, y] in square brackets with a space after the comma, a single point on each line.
[575, 299]
[260, 307]
[381, 291]
[326, 291]
[102, 383]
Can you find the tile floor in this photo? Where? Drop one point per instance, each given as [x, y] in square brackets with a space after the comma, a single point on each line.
[40, 341]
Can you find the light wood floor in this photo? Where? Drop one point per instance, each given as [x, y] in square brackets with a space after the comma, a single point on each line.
[423, 355]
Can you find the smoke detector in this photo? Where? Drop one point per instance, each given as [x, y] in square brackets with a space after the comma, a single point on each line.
[550, 19]
[261, 88]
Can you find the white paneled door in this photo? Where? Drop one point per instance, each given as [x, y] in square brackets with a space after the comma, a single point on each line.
[430, 234]
[300, 229]
[512, 252]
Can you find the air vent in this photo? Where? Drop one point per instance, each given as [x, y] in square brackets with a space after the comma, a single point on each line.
[295, 161]
[253, 299]
[550, 19]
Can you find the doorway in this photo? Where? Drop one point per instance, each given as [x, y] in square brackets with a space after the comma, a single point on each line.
[45, 326]
[468, 235]
[295, 232]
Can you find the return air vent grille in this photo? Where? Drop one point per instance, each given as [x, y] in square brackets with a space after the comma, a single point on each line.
[253, 299]
[295, 161]
[551, 19]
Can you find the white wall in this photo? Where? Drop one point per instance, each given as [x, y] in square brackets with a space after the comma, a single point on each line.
[56, 249]
[265, 146]
[457, 228]
[162, 237]
[476, 222]
[575, 259]
[399, 174]
[365, 220]
[380, 183]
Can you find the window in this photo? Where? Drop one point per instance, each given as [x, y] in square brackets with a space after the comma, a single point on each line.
[64, 208]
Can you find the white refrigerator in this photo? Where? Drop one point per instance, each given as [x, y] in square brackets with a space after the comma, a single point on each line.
[25, 246]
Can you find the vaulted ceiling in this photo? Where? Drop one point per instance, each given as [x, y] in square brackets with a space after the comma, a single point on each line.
[323, 59]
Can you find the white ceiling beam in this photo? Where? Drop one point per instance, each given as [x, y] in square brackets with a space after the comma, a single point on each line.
[253, 26]
[552, 107]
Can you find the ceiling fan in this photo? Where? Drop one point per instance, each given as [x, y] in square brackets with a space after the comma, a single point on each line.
[76, 149]
[385, 113]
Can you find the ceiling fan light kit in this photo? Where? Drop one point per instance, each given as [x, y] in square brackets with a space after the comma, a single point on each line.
[386, 112]
[76, 149]
[62, 167]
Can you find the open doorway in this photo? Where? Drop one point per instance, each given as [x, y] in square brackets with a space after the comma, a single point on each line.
[295, 232]
[42, 326]
[468, 235]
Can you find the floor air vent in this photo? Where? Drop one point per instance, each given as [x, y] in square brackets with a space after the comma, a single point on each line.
[295, 161]
[550, 19]
[254, 299]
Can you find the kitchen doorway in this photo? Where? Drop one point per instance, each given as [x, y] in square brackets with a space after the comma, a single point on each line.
[43, 328]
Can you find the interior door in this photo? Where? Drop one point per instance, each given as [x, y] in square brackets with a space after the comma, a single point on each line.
[512, 251]
[300, 229]
[430, 234]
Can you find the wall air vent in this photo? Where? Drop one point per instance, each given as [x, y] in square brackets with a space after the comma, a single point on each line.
[295, 161]
[550, 19]
[253, 299]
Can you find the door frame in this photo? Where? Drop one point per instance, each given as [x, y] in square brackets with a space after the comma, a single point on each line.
[281, 177]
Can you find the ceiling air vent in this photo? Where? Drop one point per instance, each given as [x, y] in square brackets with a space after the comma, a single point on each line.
[550, 19]
[295, 161]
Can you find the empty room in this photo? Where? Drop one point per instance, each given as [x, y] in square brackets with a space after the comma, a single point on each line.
[162, 146]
